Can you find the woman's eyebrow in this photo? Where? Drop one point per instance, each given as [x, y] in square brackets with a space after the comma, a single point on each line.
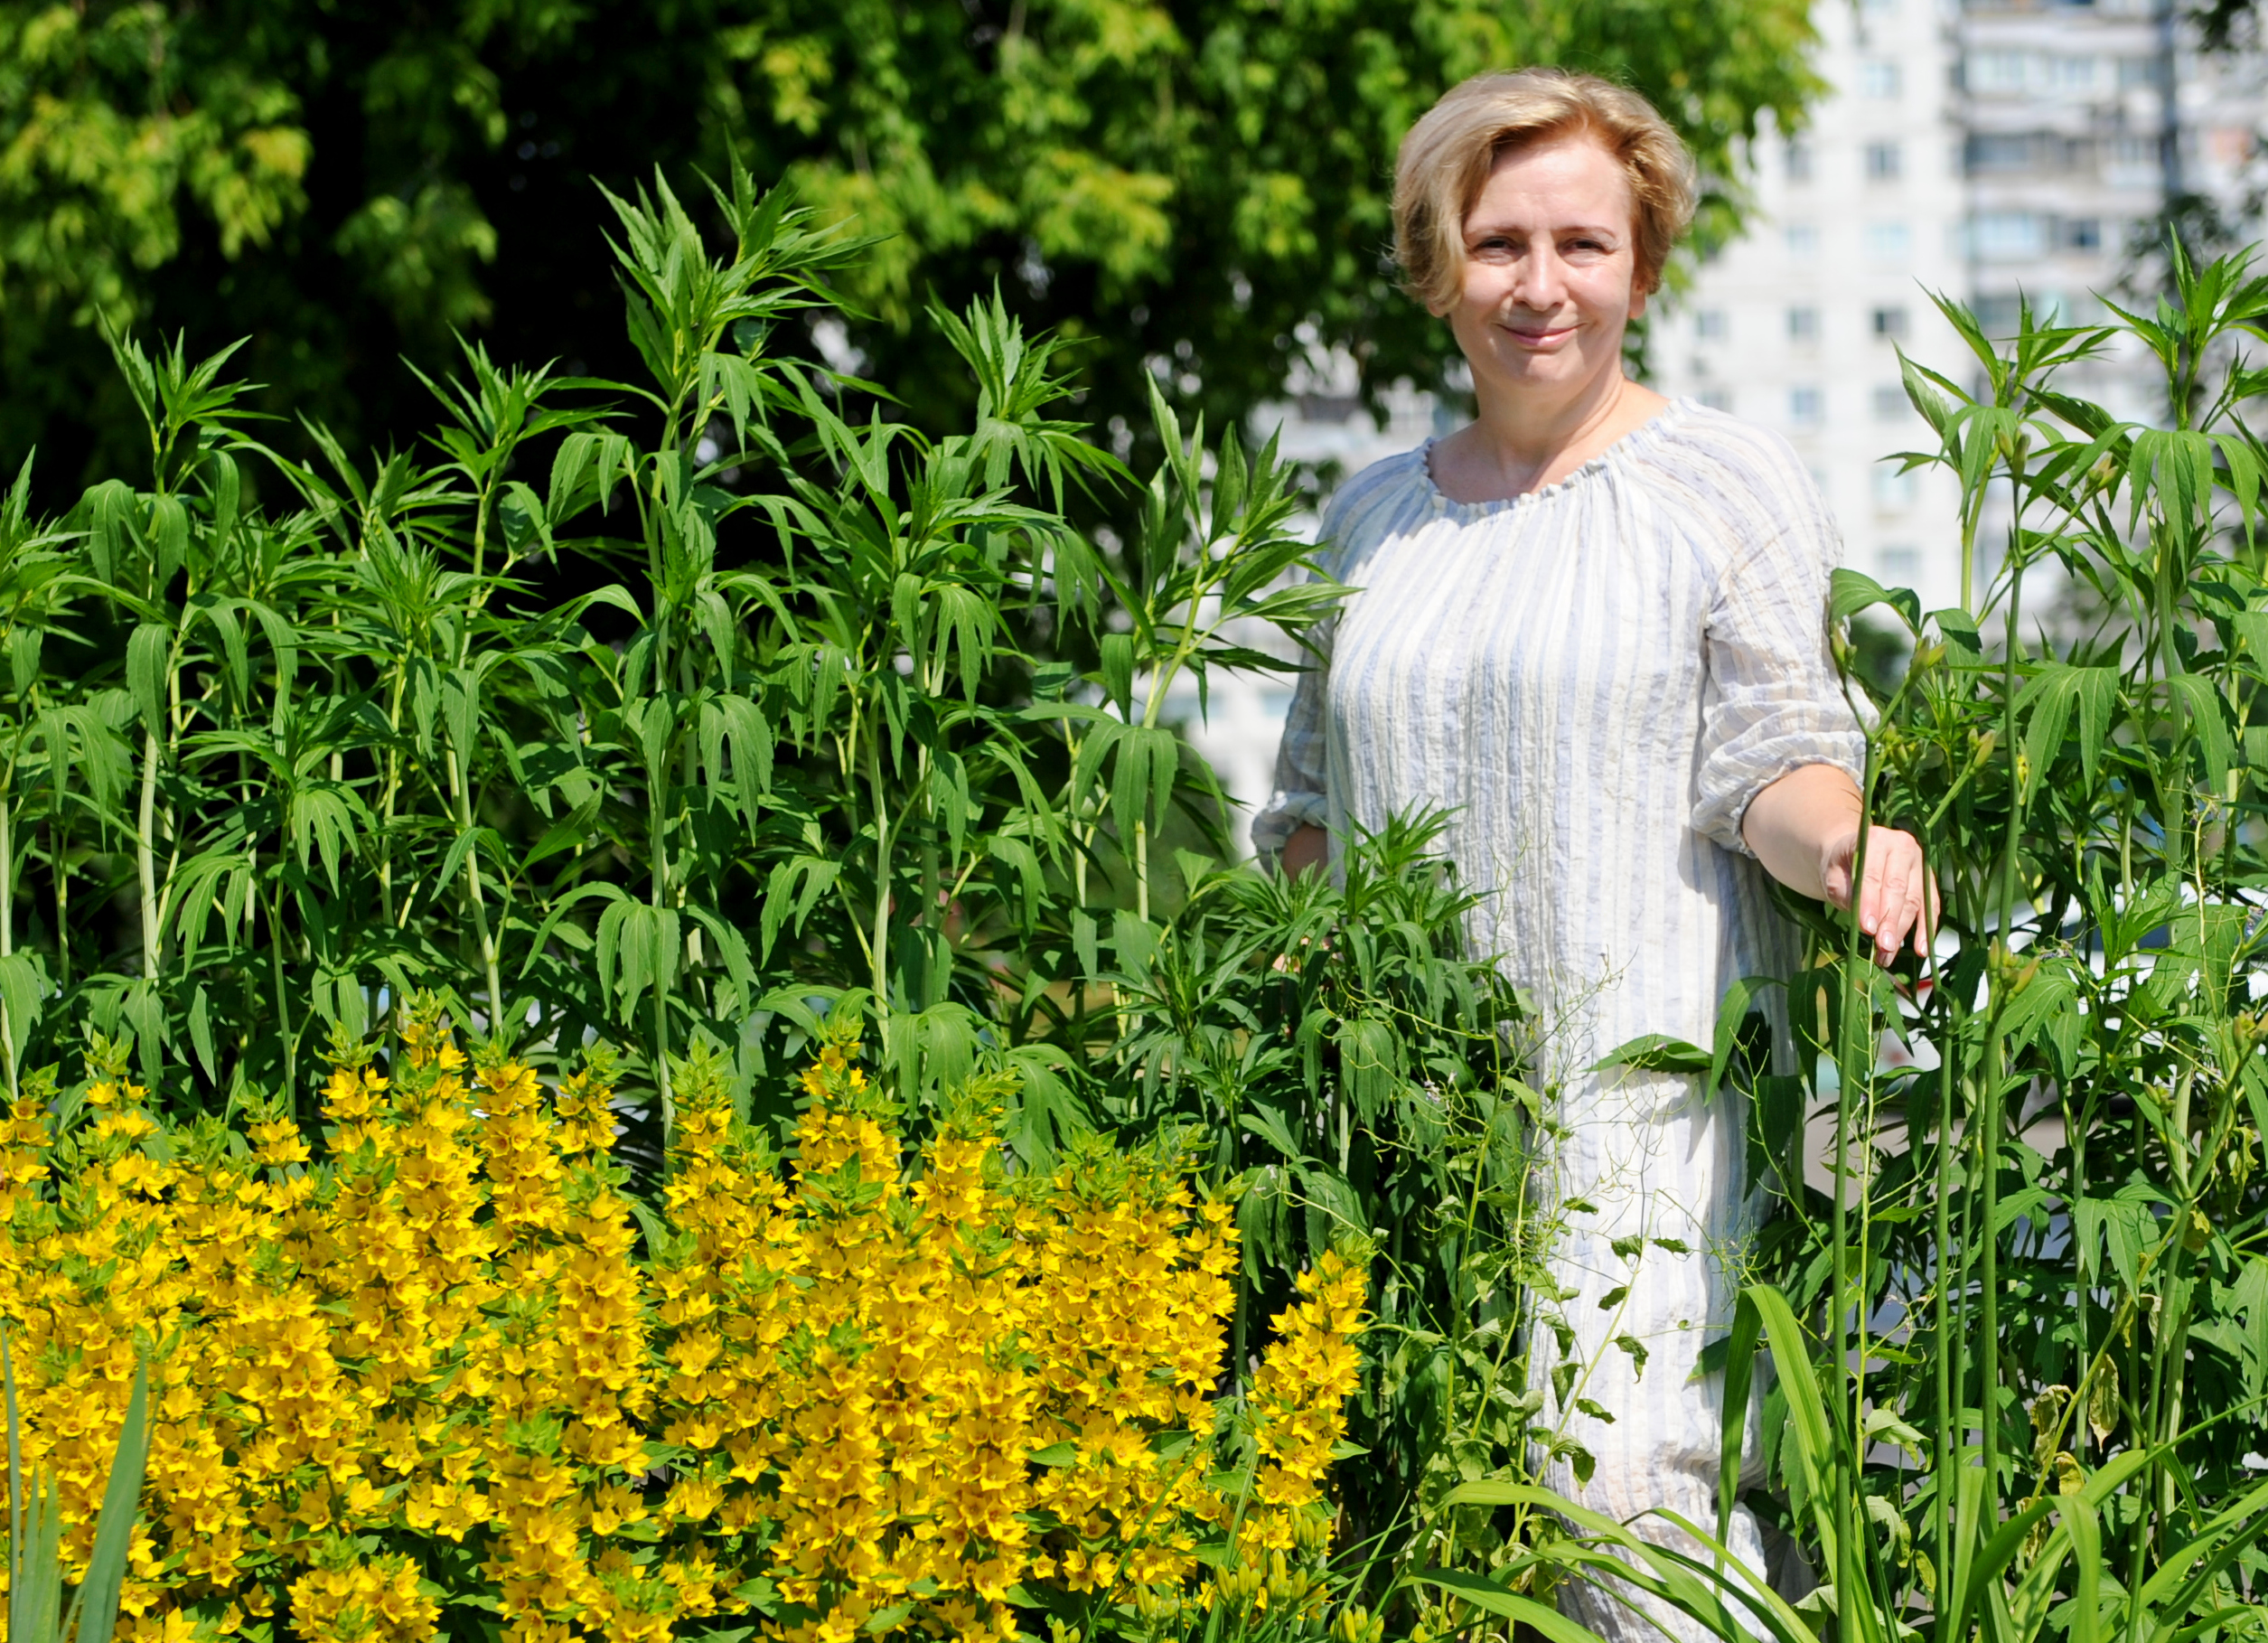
[1482, 231]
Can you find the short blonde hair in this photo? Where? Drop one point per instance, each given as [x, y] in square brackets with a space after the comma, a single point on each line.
[1445, 162]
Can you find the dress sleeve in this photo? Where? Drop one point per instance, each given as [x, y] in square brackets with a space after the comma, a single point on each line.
[1300, 799]
[1774, 702]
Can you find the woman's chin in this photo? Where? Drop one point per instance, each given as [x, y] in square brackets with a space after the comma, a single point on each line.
[1543, 370]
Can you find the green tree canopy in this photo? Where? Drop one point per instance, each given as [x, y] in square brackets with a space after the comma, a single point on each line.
[1199, 187]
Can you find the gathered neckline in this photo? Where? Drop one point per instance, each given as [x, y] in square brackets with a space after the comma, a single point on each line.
[1647, 433]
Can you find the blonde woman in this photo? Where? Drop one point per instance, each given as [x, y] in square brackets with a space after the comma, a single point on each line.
[1593, 624]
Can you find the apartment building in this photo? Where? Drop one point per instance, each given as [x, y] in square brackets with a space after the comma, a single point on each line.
[1998, 152]
[1857, 222]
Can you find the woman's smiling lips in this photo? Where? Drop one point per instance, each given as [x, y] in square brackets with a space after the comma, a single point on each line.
[1540, 337]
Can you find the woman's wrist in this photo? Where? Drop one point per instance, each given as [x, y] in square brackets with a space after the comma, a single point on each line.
[1802, 825]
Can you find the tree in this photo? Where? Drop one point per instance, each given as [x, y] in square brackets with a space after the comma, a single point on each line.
[1196, 188]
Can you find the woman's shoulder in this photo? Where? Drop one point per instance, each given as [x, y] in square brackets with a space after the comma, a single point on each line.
[1741, 481]
[1382, 497]
[1734, 463]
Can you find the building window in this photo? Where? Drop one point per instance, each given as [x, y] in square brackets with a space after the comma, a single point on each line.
[2135, 72]
[1900, 565]
[1709, 325]
[2072, 73]
[1802, 324]
[2130, 152]
[1893, 490]
[1717, 398]
[2000, 313]
[1890, 323]
[1885, 162]
[2003, 151]
[1878, 77]
[1803, 242]
[1799, 160]
[1889, 403]
[1888, 242]
[2009, 236]
[1806, 407]
[2082, 233]
[1994, 71]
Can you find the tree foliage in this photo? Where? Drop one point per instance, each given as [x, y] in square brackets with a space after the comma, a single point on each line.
[1196, 189]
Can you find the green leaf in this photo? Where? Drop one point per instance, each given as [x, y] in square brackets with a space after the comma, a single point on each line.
[1656, 1053]
[1852, 591]
[1492, 1598]
[96, 1605]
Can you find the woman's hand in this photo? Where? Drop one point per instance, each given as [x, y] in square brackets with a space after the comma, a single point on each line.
[1898, 896]
[1804, 829]
[1308, 847]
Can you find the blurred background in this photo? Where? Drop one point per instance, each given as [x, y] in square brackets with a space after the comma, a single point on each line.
[1197, 191]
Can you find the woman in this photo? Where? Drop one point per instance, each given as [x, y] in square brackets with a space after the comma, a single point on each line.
[1593, 626]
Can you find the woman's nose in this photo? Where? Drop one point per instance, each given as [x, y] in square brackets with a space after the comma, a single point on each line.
[1542, 282]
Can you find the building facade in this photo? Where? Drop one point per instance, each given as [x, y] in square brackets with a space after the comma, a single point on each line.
[1858, 223]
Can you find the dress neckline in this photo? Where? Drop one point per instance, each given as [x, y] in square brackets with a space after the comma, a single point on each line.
[1649, 433]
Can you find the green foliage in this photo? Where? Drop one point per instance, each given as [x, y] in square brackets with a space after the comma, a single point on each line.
[1335, 1049]
[1196, 189]
[2064, 1215]
[267, 770]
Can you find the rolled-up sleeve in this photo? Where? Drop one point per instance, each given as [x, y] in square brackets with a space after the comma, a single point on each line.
[1300, 799]
[1774, 702]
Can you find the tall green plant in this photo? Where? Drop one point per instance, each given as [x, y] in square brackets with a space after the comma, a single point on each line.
[1334, 1047]
[2039, 1286]
[642, 710]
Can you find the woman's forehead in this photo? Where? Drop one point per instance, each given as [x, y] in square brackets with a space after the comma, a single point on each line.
[1569, 181]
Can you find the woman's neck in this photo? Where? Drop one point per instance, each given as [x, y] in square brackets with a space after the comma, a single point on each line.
[1517, 445]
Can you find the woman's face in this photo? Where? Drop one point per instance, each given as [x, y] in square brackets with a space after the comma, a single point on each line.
[1548, 270]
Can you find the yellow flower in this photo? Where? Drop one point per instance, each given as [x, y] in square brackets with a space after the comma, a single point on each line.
[863, 1375]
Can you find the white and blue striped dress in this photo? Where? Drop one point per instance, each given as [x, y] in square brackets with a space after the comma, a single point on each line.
[1595, 679]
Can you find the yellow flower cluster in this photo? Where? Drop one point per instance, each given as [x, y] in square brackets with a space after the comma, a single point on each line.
[444, 1359]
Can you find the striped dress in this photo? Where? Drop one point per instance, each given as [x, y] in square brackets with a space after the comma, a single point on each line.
[1595, 679]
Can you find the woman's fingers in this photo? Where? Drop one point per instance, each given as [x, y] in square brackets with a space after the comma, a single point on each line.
[1887, 893]
[1898, 897]
[1926, 926]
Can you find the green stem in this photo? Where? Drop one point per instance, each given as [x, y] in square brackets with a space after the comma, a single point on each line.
[656, 824]
[9, 1048]
[461, 792]
[283, 1000]
[1854, 1074]
[145, 858]
[1947, 1434]
[879, 946]
[58, 859]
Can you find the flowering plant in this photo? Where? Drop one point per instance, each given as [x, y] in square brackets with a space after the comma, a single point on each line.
[444, 1373]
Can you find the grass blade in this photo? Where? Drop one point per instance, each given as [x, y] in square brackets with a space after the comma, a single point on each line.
[96, 1607]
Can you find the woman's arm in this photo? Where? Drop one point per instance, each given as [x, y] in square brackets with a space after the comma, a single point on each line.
[1804, 829]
